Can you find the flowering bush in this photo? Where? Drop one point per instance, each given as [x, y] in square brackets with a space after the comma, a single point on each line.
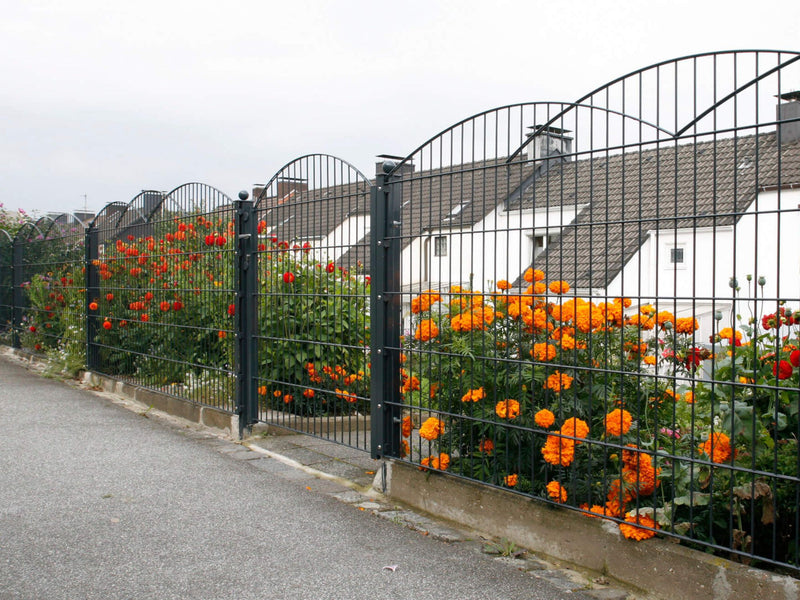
[625, 416]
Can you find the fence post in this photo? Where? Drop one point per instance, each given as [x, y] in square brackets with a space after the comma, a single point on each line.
[386, 411]
[246, 289]
[92, 253]
[17, 297]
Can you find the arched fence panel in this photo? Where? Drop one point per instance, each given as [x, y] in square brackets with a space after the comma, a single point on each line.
[48, 290]
[313, 321]
[597, 302]
[161, 294]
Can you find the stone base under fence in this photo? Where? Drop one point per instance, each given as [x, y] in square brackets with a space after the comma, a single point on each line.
[655, 568]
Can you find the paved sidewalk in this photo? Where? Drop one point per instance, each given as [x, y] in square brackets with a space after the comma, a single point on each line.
[97, 501]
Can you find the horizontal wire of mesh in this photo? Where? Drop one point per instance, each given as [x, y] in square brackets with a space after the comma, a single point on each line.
[162, 305]
[313, 325]
[49, 289]
[601, 303]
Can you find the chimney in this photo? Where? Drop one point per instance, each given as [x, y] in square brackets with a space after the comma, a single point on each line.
[549, 142]
[788, 114]
[406, 168]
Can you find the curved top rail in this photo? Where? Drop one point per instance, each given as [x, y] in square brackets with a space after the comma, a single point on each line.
[8, 236]
[110, 209]
[209, 192]
[63, 219]
[704, 112]
[359, 175]
[24, 229]
[132, 205]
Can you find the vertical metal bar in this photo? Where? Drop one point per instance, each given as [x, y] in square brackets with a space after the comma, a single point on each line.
[246, 287]
[17, 297]
[91, 248]
[385, 312]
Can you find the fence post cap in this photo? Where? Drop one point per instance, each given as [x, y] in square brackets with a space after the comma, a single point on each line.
[244, 195]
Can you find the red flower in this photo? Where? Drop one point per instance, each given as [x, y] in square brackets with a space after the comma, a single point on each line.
[93, 306]
[330, 268]
[106, 324]
[794, 358]
[145, 317]
[231, 309]
[164, 306]
[262, 225]
[210, 239]
[177, 305]
[782, 369]
[221, 240]
[288, 277]
[109, 297]
[32, 328]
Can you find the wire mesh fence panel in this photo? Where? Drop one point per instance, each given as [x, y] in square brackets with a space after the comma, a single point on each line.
[6, 288]
[48, 264]
[162, 294]
[313, 321]
[600, 302]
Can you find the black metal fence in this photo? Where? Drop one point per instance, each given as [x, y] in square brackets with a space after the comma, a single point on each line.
[594, 303]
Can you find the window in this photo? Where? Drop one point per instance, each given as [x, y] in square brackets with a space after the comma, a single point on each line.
[540, 243]
[440, 245]
[676, 256]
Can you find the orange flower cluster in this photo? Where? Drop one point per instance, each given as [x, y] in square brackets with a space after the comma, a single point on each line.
[474, 395]
[486, 446]
[717, 447]
[543, 352]
[558, 381]
[440, 462]
[638, 471]
[558, 287]
[687, 325]
[532, 275]
[632, 532]
[511, 480]
[558, 450]
[475, 319]
[431, 429]
[346, 396]
[407, 426]
[424, 301]
[617, 422]
[427, 330]
[557, 492]
[544, 418]
[507, 409]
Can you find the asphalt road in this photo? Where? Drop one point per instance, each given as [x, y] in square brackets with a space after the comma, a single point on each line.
[97, 501]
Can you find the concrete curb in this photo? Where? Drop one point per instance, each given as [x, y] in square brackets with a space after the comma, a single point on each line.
[655, 568]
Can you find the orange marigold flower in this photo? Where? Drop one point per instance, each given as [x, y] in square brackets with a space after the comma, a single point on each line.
[431, 429]
[544, 418]
[649, 360]
[424, 301]
[687, 325]
[427, 330]
[732, 336]
[503, 285]
[558, 287]
[408, 425]
[486, 446]
[575, 427]
[557, 492]
[107, 325]
[558, 381]
[688, 397]
[410, 384]
[262, 390]
[511, 480]
[308, 393]
[558, 450]
[92, 305]
[507, 409]
[596, 511]
[617, 422]
[717, 447]
[405, 449]
[543, 352]
[632, 532]
[474, 395]
[532, 275]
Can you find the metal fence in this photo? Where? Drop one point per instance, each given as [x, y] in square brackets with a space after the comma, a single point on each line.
[594, 303]
[600, 302]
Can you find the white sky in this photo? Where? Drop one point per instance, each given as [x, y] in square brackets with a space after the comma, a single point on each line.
[109, 98]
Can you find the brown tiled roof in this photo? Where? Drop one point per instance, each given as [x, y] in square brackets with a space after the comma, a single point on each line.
[711, 183]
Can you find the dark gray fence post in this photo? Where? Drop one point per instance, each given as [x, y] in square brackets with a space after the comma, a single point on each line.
[246, 288]
[92, 292]
[17, 297]
[385, 315]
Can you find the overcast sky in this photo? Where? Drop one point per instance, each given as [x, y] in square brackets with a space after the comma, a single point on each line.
[105, 99]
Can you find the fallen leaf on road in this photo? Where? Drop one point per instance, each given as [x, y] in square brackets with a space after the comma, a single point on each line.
[391, 568]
